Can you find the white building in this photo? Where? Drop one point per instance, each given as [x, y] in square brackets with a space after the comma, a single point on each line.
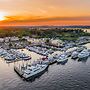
[36, 41]
[14, 38]
[7, 39]
[1, 39]
[56, 42]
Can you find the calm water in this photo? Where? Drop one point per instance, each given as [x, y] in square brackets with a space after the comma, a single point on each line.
[73, 75]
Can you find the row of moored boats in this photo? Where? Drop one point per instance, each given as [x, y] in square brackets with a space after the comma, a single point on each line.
[13, 55]
[40, 50]
[39, 66]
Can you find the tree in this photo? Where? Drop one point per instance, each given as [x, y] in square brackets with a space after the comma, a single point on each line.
[10, 45]
[47, 41]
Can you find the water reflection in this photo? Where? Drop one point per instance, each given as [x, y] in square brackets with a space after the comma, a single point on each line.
[63, 63]
[36, 77]
[84, 60]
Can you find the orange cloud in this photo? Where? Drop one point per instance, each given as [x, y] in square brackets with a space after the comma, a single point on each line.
[40, 20]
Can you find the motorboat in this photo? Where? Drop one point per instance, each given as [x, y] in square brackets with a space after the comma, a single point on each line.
[44, 60]
[74, 55]
[83, 54]
[62, 59]
[51, 60]
[3, 53]
[68, 54]
[55, 56]
[23, 56]
[31, 71]
[81, 48]
[10, 57]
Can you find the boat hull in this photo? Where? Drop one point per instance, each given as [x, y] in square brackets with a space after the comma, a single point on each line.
[29, 77]
[74, 57]
[83, 58]
[62, 62]
[36, 75]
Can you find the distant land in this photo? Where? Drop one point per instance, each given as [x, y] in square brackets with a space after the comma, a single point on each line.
[61, 32]
[75, 26]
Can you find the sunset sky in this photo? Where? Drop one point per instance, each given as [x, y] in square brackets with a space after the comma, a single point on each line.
[44, 12]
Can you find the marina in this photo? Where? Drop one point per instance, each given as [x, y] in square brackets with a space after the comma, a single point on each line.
[31, 69]
[44, 44]
[32, 62]
[66, 76]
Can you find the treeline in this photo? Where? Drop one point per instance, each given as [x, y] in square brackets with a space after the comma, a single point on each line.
[64, 34]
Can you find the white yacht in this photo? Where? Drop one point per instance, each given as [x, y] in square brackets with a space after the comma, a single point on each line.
[44, 60]
[3, 53]
[31, 71]
[23, 56]
[83, 54]
[68, 54]
[20, 55]
[10, 57]
[48, 60]
[62, 59]
[51, 60]
[74, 55]
[81, 48]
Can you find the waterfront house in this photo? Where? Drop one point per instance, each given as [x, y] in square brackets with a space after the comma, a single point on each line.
[1, 40]
[14, 39]
[7, 39]
[56, 42]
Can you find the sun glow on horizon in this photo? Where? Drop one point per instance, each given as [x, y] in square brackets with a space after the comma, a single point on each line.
[2, 16]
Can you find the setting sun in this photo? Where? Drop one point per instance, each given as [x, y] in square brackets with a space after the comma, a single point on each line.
[2, 16]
